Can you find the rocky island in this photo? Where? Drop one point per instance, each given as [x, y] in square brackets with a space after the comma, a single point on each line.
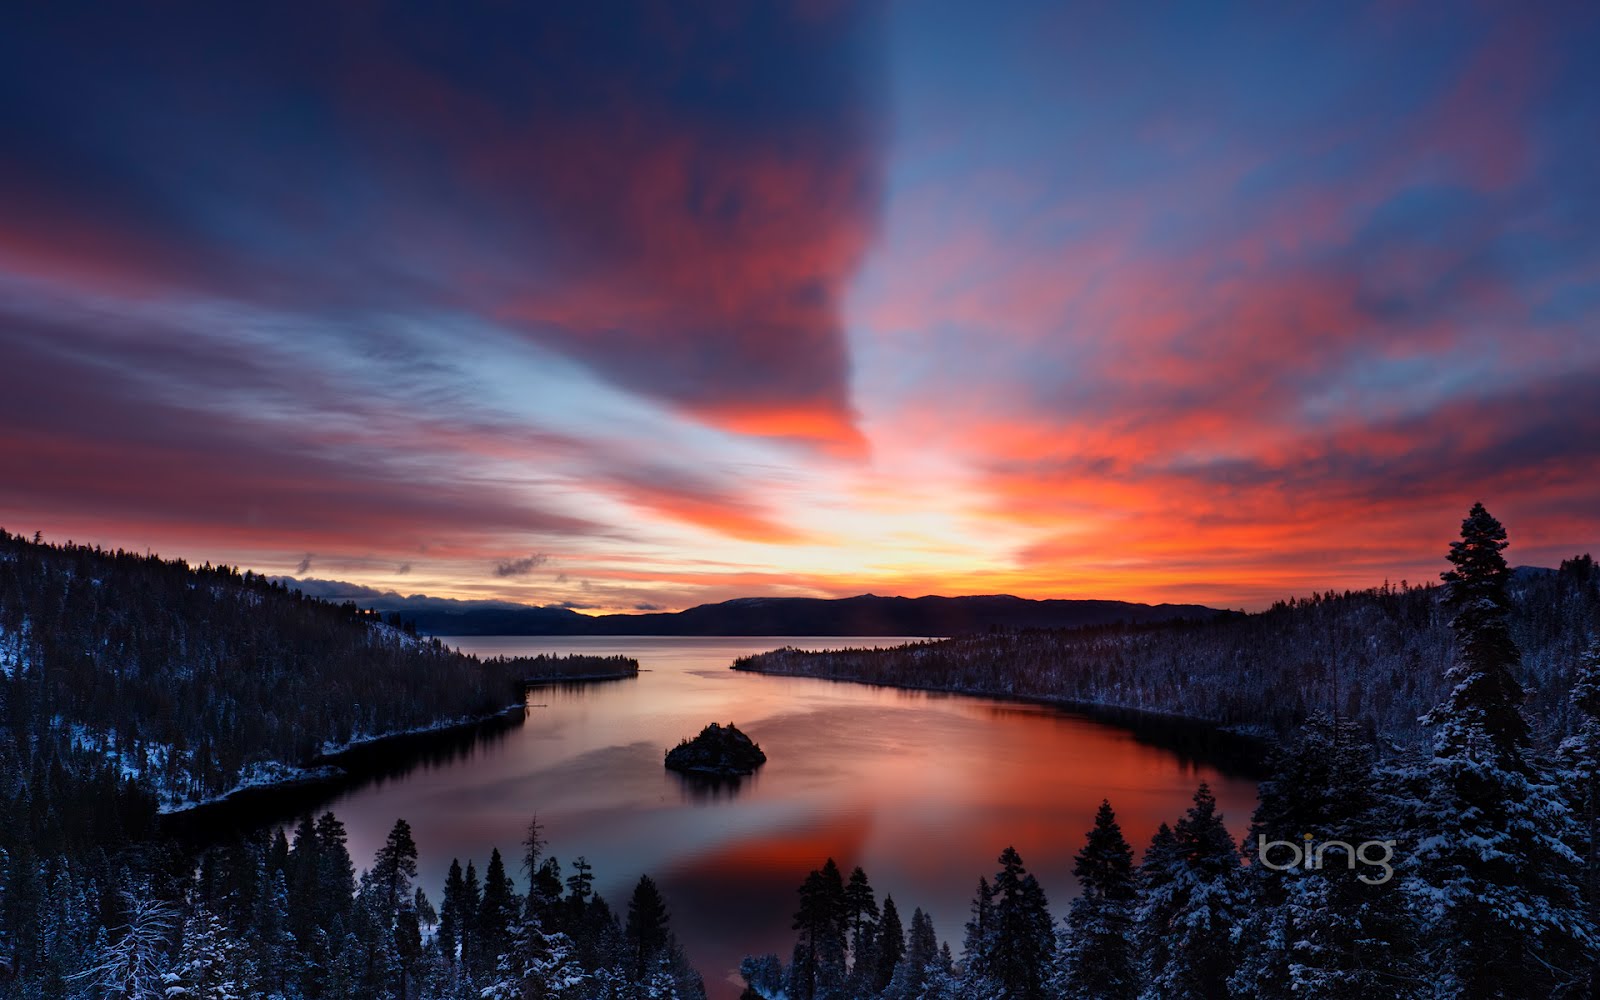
[718, 752]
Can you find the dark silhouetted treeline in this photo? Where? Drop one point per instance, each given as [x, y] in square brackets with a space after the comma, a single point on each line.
[1377, 657]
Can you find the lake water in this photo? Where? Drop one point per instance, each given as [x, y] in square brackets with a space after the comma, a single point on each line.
[921, 790]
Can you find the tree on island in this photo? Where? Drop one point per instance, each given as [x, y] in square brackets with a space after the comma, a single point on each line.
[718, 751]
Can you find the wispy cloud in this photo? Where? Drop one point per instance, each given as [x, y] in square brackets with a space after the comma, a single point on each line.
[520, 567]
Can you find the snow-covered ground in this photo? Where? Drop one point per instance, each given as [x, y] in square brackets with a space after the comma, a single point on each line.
[11, 655]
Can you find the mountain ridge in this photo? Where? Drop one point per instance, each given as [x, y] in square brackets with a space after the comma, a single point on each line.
[860, 615]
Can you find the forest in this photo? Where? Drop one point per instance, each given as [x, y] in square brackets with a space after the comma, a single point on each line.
[1451, 853]
[157, 685]
[1377, 657]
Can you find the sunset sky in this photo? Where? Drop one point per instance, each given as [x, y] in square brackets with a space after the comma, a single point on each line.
[637, 306]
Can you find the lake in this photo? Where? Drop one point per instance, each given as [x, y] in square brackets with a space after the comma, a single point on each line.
[921, 790]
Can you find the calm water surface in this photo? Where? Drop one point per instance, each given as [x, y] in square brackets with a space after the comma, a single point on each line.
[921, 790]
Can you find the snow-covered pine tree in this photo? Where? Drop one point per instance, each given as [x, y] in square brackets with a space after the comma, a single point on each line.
[537, 965]
[977, 947]
[1580, 763]
[208, 961]
[1025, 938]
[1095, 960]
[921, 970]
[1330, 929]
[270, 939]
[1189, 902]
[1495, 871]
[763, 977]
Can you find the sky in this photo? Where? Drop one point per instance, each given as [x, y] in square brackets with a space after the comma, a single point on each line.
[636, 306]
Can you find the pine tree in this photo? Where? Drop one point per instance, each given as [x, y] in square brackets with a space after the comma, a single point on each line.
[450, 912]
[1338, 927]
[922, 964]
[1097, 961]
[1580, 762]
[471, 922]
[269, 933]
[540, 894]
[979, 943]
[648, 928]
[891, 945]
[498, 913]
[395, 866]
[1189, 903]
[1494, 869]
[580, 884]
[208, 962]
[861, 916]
[819, 966]
[1025, 938]
[336, 872]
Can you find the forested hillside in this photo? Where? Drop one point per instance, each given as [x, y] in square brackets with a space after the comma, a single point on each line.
[1377, 657]
[186, 682]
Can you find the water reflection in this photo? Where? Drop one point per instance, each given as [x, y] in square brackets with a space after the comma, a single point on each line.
[709, 789]
[922, 790]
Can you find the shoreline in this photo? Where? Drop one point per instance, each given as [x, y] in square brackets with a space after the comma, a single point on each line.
[327, 774]
[1241, 753]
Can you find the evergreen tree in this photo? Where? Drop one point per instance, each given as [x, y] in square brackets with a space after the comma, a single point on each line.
[498, 913]
[1096, 962]
[451, 911]
[891, 943]
[471, 922]
[648, 927]
[1494, 869]
[209, 960]
[1189, 903]
[580, 884]
[861, 916]
[407, 936]
[979, 945]
[1025, 938]
[395, 867]
[1580, 761]
[822, 920]
[923, 963]
[336, 871]
[1336, 927]
[270, 937]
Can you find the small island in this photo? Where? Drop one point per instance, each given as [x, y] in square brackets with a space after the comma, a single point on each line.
[718, 752]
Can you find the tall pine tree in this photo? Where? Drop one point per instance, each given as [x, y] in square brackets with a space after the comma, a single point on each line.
[1189, 903]
[1097, 959]
[1495, 870]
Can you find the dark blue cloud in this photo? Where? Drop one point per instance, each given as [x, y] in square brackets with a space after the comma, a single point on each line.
[674, 196]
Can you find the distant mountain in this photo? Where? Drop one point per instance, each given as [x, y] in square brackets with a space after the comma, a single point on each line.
[863, 615]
